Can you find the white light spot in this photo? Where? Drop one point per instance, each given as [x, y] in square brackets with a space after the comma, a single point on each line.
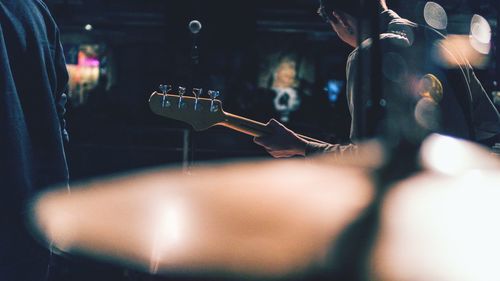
[480, 34]
[445, 155]
[169, 233]
[427, 114]
[88, 27]
[435, 15]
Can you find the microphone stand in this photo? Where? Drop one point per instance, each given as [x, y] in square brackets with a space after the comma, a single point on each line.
[193, 78]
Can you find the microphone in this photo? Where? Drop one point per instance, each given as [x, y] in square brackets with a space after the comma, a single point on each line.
[195, 27]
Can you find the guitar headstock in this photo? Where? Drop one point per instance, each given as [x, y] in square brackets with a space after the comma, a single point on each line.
[201, 113]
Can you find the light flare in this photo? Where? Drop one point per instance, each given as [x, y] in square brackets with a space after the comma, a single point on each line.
[435, 15]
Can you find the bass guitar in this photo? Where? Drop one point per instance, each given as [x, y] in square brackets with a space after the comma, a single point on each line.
[203, 113]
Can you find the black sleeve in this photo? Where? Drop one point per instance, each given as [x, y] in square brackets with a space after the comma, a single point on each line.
[314, 148]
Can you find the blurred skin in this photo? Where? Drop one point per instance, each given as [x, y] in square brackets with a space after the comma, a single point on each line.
[283, 142]
[244, 218]
[250, 221]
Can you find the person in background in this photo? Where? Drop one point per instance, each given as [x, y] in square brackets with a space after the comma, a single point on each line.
[33, 80]
[464, 111]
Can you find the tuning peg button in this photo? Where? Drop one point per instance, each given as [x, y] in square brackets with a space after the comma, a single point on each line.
[164, 89]
[182, 92]
[213, 95]
[197, 93]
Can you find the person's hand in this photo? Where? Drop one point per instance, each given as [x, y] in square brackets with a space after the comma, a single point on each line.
[281, 142]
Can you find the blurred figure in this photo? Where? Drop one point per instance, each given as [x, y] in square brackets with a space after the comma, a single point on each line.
[287, 99]
[410, 110]
[33, 80]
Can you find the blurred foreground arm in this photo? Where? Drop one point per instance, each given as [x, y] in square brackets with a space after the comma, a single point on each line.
[261, 219]
[284, 218]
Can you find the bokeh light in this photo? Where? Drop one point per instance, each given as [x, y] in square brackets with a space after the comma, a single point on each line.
[435, 16]
[480, 34]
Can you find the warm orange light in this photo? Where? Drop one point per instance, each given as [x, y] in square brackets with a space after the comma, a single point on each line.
[457, 51]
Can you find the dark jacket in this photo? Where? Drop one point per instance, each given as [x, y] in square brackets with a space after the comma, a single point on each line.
[32, 81]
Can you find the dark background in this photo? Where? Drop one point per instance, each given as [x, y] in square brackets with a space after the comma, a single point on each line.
[147, 43]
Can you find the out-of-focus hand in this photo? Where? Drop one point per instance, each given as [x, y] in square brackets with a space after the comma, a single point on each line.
[281, 142]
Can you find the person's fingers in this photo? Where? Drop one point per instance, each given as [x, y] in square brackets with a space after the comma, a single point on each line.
[274, 124]
[278, 141]
[273, 153]
[261, 140]
[258, 140]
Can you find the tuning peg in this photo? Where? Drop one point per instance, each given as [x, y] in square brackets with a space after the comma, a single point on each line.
[164, 89]
[197, 93]
[182, 91]
[213, 95]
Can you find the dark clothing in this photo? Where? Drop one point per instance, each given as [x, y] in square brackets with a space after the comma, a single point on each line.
[33, 78]
[409, 53]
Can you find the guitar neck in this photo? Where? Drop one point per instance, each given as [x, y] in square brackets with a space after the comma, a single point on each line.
[252, 127]
[199, 114]
[244, 125]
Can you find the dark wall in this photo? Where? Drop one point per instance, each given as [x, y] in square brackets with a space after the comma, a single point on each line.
[150, 44]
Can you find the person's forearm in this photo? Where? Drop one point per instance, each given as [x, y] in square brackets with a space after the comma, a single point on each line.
[313, 148]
